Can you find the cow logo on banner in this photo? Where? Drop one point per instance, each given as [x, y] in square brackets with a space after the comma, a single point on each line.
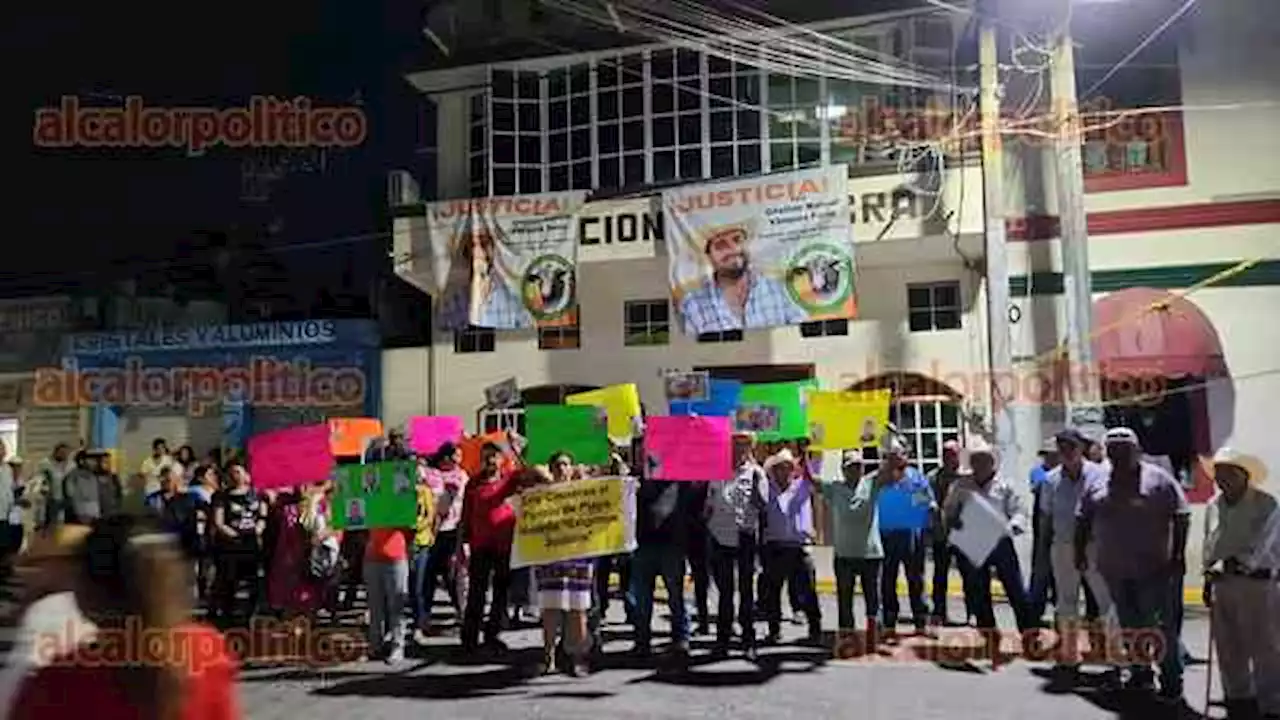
[548, 287]
[820, 279]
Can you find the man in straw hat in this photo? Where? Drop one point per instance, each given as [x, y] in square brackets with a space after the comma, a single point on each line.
[736, 296]
[1139, 520]
[1240, 586]
[788, 528]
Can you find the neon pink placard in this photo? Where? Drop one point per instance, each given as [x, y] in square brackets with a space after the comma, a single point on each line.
[427, 434]
[290, 457]
[688, 447]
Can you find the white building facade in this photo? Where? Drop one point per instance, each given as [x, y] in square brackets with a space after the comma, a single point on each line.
[1176, 197]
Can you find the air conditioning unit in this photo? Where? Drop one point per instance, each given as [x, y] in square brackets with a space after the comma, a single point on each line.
[402, 189]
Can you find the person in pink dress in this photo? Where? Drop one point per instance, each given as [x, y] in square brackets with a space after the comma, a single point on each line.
[304, 568]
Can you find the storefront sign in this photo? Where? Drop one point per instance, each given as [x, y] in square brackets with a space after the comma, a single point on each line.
[890, 207]
[206, 337]
[620, 230]
[36, 315]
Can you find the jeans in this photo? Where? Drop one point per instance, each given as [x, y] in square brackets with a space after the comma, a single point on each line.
[421, 600]
[236, 563]
[977, 585]
[648, 562]
[387, 584]
[849, 573]
[1144, 606]
[488, 567]
[436, 569]
[943, 557]
[789, 564]
[733, 568]
[600, 606]
[699, 550]
[903, 548]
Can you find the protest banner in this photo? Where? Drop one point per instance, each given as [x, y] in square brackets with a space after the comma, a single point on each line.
[576, 429]
[621, 404]
[687, 386]
[506, 262]
[782, 242]
[722, 400]
[376, 495]
[841, 420]
[472, 448]
[350, 437]
[290, 457]
[573, 520]
[773, 411]
[689, 448]
[428, 433]
[982, 527]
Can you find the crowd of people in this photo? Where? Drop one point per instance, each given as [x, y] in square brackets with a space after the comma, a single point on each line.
[1104, 522]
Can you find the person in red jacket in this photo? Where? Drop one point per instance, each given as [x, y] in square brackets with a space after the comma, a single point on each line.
[148, 661]
[488, 526]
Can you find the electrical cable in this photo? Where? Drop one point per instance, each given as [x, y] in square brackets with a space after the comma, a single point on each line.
[1141, 46]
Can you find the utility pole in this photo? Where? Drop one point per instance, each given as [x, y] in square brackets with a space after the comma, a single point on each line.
[1000, 355]
[1084, 409]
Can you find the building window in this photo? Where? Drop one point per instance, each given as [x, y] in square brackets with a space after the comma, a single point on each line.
[733, 100]
[569, 141]
[924, 423]
[493, 420]
[933, 306]
[474, 340]
[677, 120]
[795, 130]
[479, 165]
[824, 328]
[723, 336]
[560, 337]
[1140, 150]
[646, 322]
[620, 136]
[516, 132]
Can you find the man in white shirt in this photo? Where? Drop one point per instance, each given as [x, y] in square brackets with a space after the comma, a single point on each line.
[733, 523]
[154, 465]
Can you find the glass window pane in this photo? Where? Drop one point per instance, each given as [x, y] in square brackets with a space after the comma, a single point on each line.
[659, 312]
[808, 127]
[720, 91]
[664, 100]
[807, 91]
[722, 161]
[530, 150]
[748, 125]
[717, 65]
[950, 416]
[633, 135]
[632, 69]
[929, 415]
[632, 170]
[722, 126]
[748, 89]
[918, 297]
[580, 111]
[557, 83]
[809, 153]
[691, 163]
[558, 147]
[529, 86]
[610, 172]
[529, 118]
[530, 180]
[635, 313]
[610, 138]
[633, 102]
[580, 78]
[479, 168]
[504, 117]
[558, 115]
[664, 166]
[947, 319]
[477, 137]
[689, 95]
[748, 159]
[580, 145]
[504, 149]
[946, 295]
[690, 129]
[920, 320]
[907, 416]
[781, 127]
[929, 446]
[781, 156]
[664, 132]
[607, 105]
[688, 62]
[582, 176]
[607, 73]
[504, 181]
[662, 64]
[780, 91]
[558, 177]
[504, 84]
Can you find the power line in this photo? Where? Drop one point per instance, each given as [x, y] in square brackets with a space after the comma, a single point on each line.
[1141, 46]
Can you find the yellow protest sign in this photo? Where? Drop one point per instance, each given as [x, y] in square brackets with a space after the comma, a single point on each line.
[842, 420]
[621, 403]
[574, 520]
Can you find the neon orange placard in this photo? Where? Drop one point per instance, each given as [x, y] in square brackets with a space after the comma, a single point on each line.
[348, 437]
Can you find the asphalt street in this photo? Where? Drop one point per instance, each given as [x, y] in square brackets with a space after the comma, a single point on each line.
[788, 681]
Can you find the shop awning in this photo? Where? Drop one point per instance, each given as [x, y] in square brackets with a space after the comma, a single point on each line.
[1145, 332]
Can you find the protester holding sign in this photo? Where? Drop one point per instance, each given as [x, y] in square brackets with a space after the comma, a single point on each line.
[486, 531]
[662, 532]
[448, 483]
[788, 528]
[904, 506]
[858, 551]
[733, 511]
[239, 519]
[424, 534]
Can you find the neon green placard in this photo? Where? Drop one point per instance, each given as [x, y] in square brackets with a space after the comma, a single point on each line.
[377, 495]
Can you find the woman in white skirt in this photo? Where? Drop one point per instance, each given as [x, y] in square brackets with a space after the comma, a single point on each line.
[565, 592]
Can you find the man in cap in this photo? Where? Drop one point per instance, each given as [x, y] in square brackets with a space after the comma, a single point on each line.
[1139, 521]
[856, 541]
[736, 296]
[788, 528]
[941, 481]
[1240, 586]
[984, 483]
[1041, 573]
[904, 505]
[1059, 495]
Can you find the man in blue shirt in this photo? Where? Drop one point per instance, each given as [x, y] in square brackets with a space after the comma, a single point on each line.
[1041, 592]
[905, 506]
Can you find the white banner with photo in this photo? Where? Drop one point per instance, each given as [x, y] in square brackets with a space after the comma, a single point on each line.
[759, 253]
[505, 262]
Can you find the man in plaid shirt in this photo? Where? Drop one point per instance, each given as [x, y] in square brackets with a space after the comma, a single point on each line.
[736, 297]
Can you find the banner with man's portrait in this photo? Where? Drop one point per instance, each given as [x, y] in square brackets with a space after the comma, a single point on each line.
[760, 253]
[506, 262]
